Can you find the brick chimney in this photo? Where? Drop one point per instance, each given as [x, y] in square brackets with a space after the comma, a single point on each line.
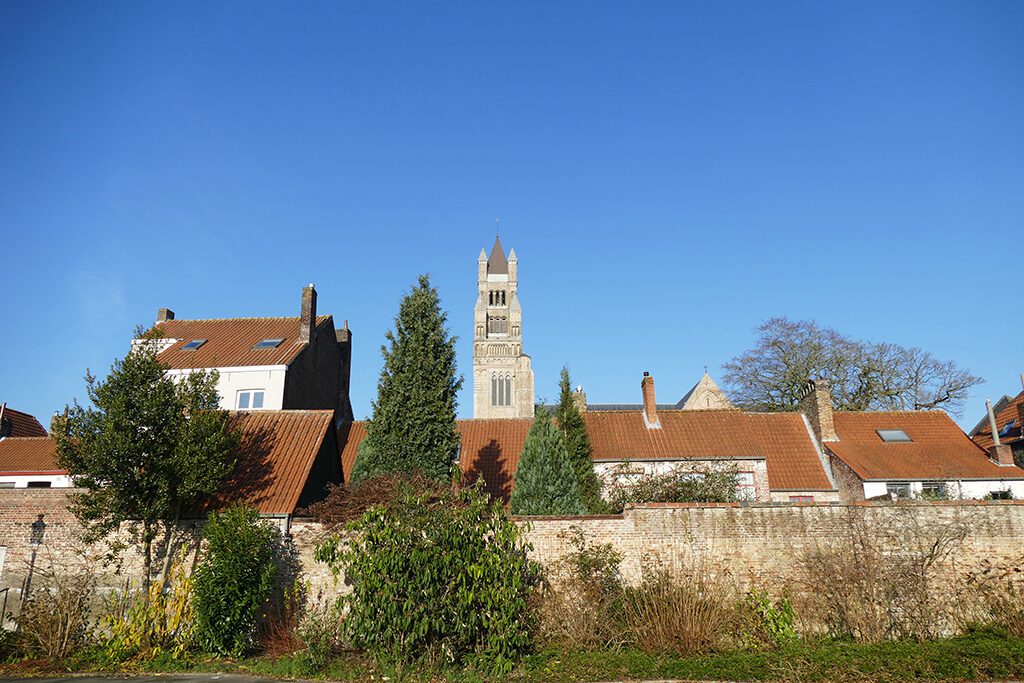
[579, 399]
[650, 405]
[344, 337]
[308, 314]
[816, 405]
[164, 314]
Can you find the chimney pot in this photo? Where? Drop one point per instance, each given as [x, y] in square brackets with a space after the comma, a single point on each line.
[307, 314]
[650, 404]
[164, 314]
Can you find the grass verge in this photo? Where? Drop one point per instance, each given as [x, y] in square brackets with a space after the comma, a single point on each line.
[983, 655]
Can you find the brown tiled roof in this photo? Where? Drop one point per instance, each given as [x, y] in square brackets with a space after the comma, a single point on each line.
[497, 263]
[938, 448]
[23, 424]
[793, 460]
[36, 455]
[276, 454]
[230, 342]
[1011, 413]
[489, 449]
[700, 434]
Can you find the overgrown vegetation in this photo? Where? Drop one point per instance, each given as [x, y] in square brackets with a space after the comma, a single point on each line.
[435, 578]
[546, 481]
[233, 580]
[628, 483]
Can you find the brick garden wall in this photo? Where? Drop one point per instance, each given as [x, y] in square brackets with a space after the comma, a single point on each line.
[757, 543]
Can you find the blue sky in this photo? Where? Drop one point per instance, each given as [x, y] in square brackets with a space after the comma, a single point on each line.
[670, 175]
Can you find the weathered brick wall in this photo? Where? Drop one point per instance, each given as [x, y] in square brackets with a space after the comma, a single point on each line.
[757, 543]
[761, 544]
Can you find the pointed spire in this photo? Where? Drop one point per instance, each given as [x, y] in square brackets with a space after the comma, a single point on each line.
[497, 264]
[511, 254]
[483, 255]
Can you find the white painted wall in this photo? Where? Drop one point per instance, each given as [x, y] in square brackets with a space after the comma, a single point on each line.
[21, 481]
[270, 378]
[758, 467]
[971, 489]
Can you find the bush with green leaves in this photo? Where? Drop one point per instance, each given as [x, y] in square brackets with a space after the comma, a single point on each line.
[441, 578]
[680, 485]
[233, 579]
[766, 623]
[546, 482]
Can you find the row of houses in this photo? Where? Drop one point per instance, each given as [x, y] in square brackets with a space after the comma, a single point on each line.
[286, 382]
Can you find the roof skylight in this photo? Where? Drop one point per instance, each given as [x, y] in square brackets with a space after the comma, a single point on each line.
[194, 344]
[268, 343]
[893, 435]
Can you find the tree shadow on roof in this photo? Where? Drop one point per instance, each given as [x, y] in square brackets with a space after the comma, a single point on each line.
[494, 467]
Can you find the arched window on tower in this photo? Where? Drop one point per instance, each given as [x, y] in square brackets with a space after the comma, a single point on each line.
[508, 390]
[494, 390]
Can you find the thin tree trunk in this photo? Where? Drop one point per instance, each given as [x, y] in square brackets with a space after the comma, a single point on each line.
[147, 560]
[169, 547]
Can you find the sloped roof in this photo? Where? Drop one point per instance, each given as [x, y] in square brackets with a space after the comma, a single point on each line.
[276, 453]
[489, 449]
[1012, 412]
[497, 264]
[782, 439]
[23, 424]
[938, 448]
[36, 455]
[230, 341]
[706, 389]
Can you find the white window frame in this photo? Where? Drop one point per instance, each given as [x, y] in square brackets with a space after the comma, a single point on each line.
[745, 491]
[251, 394]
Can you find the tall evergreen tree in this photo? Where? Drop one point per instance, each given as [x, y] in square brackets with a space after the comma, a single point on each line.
[545, 481]
[577, 443]
[413, 422]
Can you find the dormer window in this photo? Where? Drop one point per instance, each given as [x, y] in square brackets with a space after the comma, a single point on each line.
[193, 345]
[267, 343]
[250, 399]
[893, 435]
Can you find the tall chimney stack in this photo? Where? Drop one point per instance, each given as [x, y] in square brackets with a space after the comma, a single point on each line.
[816, 404]
[650, 405]
[308, 314]
[579, 399]
[164, 314]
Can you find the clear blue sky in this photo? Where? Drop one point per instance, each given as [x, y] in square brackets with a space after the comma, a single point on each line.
[670, 174]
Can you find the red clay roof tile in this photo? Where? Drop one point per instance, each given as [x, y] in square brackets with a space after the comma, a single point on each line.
[230, 342]
[938, 448]
[36, 454]
[23, 424]
[1011, 413]
[276, 453]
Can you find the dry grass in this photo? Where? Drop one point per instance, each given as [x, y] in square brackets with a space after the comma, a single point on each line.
[687, 611]
[886, 580]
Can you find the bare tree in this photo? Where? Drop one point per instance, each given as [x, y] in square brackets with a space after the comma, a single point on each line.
[864, 375]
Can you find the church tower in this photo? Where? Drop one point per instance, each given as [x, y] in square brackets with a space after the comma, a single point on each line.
[502, 377]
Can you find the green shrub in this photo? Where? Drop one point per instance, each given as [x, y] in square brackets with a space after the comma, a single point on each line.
[766, 624]
[680, 485]
[546, 482]
[441, 578]
[233, 580]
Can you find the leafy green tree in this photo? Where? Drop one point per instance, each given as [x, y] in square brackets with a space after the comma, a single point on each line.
[233, 579]
[546, 483]
[577, 443]
[146, 449]
[413, 423]
[437, 574]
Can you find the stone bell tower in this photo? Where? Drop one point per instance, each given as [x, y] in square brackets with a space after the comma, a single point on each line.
[502, 377]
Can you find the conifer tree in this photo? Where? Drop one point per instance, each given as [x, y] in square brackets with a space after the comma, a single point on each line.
[413, 423]
[545, 481]
[577, 443]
